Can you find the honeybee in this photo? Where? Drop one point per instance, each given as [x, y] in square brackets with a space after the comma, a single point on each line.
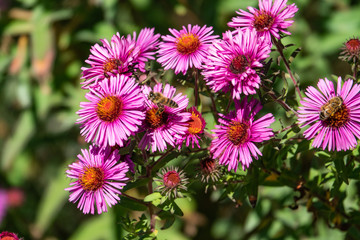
[161, 100]
[330, 108]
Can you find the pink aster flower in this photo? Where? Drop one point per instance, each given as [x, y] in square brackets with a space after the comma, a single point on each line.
[113, 113]
[234, 140]
[108, 60]
[186, 48]
[98, 179]
[3, 204]
[196, 126]
[333, 116]
[9, 236]
[166, 126]
[269, 20]
[232, 63]
[145, 47]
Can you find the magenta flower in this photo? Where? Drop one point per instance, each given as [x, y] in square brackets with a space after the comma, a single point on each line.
[196, 126]
[186, 48]
[108, 60]
[171, 182]
[145, 47]
[3, 204]
[98, 179]
[9, 236]
[114, 112]
[166, 126]
[232, 63]
[333, 117]
[234, 140]
[126, 158]
[269, 20]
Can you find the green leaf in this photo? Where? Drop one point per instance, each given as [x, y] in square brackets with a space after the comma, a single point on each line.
[152, 197]
[131, 204]
[52, 201]
[137, 183]
[18, 27]
[174, 154]
[25, 128]
[172, 207]
[99, 227]
[169, 219]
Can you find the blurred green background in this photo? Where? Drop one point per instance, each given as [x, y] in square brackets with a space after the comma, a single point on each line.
[43, 44]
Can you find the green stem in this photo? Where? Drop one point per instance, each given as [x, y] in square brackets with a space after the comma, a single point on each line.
[284, 129]
[196, 90]
[280, 48]
[355, 69]
[150, 206]
[161, 158]
[136, 199]
[282, 103]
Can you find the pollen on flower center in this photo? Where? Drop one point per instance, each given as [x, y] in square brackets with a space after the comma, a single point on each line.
[187, 44]
[92, 179]
[263, 21]
[339, 118]
[238, 64]
[195, 124]
[110, 65]
[109, 108]
[237, 132]
[155, 118]
[171, 179]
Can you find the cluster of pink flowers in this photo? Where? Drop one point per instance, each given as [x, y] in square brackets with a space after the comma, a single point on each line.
[120, 109]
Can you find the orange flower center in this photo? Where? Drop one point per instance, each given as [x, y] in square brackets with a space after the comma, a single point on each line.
[238, 64]
[339, 118]
[92, 179]
[8, 236]
[109, 108]
[171, 179]
[155, 118]
[110, 65]
[237, 133]
[263, 21]
[187, 44]
[195, 124]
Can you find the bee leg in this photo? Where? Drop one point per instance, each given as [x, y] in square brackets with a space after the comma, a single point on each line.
[160, 109]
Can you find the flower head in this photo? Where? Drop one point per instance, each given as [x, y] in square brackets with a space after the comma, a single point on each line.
[108, 60]
[163, 124]
[333, 116]
[269, 20]
[351, 50]
[209, 170]
[145, 47]
[234, 140]
[186, 48]
[196, 126]
[233, 61]
[113, 113]
[172, 181]
[9, 236]
[98, 179]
